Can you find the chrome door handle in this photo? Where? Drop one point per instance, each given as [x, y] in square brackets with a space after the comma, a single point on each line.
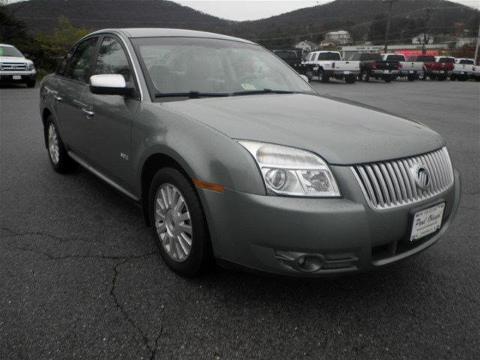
[88, 113]
[58, 98]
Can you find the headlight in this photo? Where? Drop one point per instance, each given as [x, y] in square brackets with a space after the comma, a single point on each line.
[292, 172]
[30, 67]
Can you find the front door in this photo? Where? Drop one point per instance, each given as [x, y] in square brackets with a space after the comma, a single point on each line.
[111, 123]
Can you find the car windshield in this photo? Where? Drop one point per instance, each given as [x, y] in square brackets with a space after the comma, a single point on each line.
[371, 57]
[446, 60]
[287, 55]
[425, 59]
[10, 51]
[395, 58]
[196, 67]
[329, 56]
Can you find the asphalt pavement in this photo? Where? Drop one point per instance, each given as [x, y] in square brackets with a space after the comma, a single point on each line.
[80, 275]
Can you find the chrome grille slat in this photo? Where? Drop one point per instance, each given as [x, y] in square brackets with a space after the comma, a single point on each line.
[390, 184]
[13, 66]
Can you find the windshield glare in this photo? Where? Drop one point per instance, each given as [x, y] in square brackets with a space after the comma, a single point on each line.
[184, 65]
[10, 51]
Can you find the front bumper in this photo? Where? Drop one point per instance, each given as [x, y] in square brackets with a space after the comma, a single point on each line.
[342, 73]
[17, 76]
[273, 234]
[385, 72]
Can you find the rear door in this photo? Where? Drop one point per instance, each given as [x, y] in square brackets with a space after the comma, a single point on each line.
[70, 108]
[111, 124]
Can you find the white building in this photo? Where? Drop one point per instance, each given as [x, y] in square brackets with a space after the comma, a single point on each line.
[420, 38]
[461, 42]
[306, 46]
[340, 37]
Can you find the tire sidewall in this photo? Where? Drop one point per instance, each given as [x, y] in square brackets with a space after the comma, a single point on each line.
[64, 161]
[200, 254]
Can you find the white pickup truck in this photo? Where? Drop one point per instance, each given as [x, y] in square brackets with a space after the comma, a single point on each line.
[15, 68]
[323, 65]
[409, 69]
[464, 69]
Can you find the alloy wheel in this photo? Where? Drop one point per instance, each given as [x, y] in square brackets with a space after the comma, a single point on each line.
[173, 222]
[53, 144]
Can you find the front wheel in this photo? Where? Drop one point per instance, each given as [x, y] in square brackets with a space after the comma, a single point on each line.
[179, 223]
[365, 76]
[323, 77]
[350, 79]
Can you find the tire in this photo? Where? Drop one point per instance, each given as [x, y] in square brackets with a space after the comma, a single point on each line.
[387, 79]
[309, 75]
[182, 235]
[350, 79]
[453, 77]
[322, 76]
[57, 153]
[31, 83]
[412, 77]
[365, 76]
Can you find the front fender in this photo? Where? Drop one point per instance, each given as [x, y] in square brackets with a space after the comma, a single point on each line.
[203, 152]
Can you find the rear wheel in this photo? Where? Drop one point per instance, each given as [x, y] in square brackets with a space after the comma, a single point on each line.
[309, 75]
[179, 223]
[58, 155]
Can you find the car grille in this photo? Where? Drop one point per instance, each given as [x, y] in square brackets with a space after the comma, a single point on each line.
[13, 66]
[393, 184]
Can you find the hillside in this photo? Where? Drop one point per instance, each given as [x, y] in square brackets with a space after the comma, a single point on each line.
[364, 18]
[42, 15]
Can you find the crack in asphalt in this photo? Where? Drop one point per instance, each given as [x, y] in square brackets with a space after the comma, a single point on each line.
[40, 233]
[80, 256]
[145, 339]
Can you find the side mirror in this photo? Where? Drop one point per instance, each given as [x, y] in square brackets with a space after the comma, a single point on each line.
[109, 84]
[305, 78]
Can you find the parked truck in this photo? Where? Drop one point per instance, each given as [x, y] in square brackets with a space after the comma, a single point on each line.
[373, 66]
[463, 69]
[410, 70]
[324, 65]
[15, 67]
[291, 57]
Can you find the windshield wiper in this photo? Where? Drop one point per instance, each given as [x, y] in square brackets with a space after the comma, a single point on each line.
[190, 94]
[263, 91]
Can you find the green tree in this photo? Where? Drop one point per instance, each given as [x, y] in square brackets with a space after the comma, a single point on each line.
[55, 45]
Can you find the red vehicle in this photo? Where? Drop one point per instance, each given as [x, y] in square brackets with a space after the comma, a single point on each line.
[435, 67]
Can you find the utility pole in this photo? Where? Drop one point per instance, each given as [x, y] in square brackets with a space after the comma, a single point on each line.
[389, 22]
[426, 37]
[477, 47]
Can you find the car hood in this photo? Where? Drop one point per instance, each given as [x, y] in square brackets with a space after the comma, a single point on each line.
[339, 132]
[9, 59]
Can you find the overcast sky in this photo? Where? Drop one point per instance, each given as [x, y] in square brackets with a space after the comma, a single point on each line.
[257, 9]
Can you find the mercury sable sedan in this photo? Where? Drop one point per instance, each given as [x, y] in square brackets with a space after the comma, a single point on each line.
[235, 158]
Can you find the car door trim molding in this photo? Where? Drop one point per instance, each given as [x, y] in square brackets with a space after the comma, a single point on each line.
[101, 176]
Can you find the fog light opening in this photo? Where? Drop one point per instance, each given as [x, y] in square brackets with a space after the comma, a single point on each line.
[310, 263]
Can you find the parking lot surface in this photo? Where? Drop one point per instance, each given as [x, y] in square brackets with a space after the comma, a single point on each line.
[80, 277]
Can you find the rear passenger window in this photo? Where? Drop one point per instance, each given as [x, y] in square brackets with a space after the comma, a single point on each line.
[112, 59]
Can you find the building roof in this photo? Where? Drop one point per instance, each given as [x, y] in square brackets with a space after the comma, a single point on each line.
[164, 32]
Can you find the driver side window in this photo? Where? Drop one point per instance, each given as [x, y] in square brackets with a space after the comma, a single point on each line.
[112, 59]
[79, 67]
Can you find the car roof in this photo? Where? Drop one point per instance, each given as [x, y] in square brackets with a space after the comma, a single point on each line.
[7, 45]
[165, 32]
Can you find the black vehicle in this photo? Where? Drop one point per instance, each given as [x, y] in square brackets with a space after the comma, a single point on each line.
[372, 65]
[291, 57]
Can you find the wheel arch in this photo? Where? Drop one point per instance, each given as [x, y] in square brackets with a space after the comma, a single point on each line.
[151, 165]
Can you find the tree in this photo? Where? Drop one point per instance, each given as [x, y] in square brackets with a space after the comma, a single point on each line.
[54, 46]
[376, 33]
